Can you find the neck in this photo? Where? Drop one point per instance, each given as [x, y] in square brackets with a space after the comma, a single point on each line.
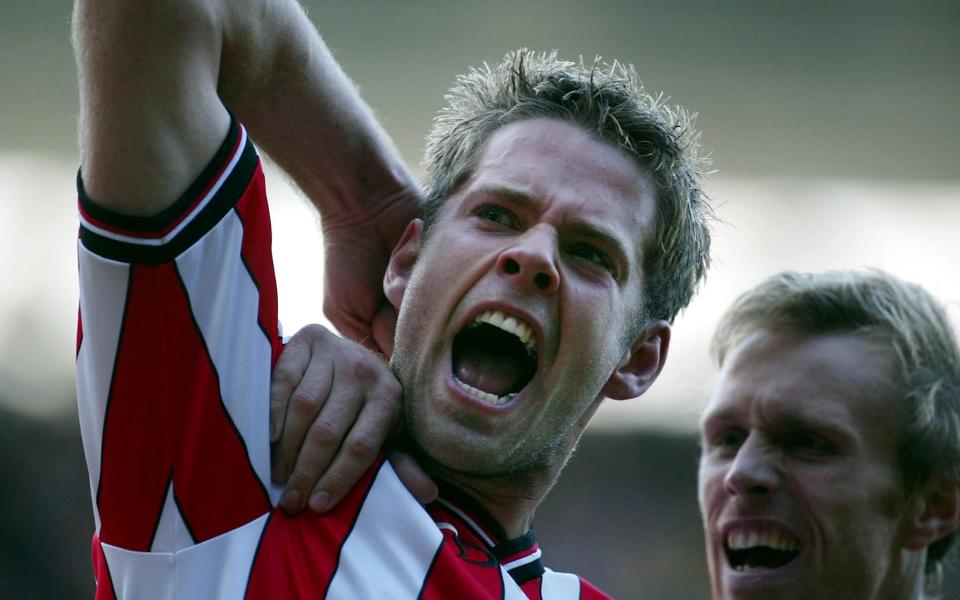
[510, 500]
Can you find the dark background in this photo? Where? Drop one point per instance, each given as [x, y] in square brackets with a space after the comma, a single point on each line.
[624, 515]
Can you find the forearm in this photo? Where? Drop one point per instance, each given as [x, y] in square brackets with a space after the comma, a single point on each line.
[150, 75]
[300, 107]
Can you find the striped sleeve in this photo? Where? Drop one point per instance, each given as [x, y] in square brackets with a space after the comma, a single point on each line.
[176, 339]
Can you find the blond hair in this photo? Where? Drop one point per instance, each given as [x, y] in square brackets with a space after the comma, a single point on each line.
[898, 313]
[609, 101]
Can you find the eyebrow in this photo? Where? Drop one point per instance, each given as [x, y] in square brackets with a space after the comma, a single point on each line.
[579, 227]
[799, 421]
[783, 421]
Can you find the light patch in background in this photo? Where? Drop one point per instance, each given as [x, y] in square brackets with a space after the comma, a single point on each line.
[38, 287]
[765, 226]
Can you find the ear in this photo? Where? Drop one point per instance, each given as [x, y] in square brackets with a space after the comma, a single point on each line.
[641, 364]
[401, 263]
[934, 512]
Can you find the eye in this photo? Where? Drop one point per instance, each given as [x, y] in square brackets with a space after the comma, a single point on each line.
[808, 444]
[591, 254]
[496, 214]
[731, 439]
[727, 441]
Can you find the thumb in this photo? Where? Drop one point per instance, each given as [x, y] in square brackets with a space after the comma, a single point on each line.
[416, 480]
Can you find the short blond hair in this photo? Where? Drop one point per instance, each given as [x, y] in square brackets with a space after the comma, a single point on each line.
[609, 101]
[898, 313]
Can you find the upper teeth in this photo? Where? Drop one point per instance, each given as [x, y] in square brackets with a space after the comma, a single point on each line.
[511, 325]
[771, 537]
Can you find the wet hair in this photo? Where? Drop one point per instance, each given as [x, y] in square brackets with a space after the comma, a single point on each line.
[609, 101]
[903, 316]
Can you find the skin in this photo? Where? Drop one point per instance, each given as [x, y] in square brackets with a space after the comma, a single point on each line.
[801, 434]
[264, 60]
[549, 227]
[338, 400]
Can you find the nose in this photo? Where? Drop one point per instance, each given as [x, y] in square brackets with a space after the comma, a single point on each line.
[531, 262]
[755, 470]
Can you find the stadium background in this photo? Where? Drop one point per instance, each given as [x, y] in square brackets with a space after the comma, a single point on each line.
[834, 132]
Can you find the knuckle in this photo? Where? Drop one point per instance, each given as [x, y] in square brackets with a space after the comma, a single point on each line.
[317, 334]
[299, 480]
[391, 387]
[285, 376]
[311, 331]
[363, 369]
[304, 403]
[385, 403]
[322, 433]
[361, 448]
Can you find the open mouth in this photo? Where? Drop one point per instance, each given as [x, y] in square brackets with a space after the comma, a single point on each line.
[758, 549]
[495, 357]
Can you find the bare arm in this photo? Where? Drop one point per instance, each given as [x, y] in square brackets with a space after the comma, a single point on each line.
[154, 78]
[301, 108]
[150, 118]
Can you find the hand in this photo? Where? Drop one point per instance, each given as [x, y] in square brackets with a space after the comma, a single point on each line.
[332, 406]
[356, 253]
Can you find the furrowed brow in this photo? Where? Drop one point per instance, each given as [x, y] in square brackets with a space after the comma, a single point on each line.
[576, 227]
[515, 195]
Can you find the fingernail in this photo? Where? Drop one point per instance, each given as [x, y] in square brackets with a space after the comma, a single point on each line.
[291, 500]
[319, 501]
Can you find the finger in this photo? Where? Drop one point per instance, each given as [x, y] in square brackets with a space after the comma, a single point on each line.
[321, 443]
[413, 477]
[285, 378]
[357, 453]
[305, 403]
[383, 327]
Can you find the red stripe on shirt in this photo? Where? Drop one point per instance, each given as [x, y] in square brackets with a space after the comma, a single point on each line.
[521, 554]
[588, 592]
[79, 330]
[299, 554]
[102, 572]
[256, 252]
[165, 415]
[532, 588]
[464, 561]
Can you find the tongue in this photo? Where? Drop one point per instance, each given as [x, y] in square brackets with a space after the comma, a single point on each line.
[494, 373]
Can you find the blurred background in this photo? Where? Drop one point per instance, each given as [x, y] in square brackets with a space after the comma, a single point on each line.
[834, 132]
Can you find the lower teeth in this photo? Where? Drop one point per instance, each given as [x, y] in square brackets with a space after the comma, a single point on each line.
[485, 396]
[743, 568]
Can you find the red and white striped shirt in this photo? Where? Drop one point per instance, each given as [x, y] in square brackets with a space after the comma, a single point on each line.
[177, 338]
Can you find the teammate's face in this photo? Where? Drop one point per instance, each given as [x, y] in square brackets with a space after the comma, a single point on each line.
[799, 485]
[516, 303]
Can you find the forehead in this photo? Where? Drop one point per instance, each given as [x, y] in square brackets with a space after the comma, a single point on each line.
[568, 169]
[841, 379]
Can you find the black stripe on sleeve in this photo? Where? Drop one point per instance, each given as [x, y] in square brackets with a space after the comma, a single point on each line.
[226, 197]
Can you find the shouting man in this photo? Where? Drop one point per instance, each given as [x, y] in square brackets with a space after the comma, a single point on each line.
[563, 230]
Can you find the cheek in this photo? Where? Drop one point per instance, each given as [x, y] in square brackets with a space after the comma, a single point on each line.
[709, 488]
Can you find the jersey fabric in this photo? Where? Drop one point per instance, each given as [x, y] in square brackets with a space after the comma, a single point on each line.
[177, 336]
